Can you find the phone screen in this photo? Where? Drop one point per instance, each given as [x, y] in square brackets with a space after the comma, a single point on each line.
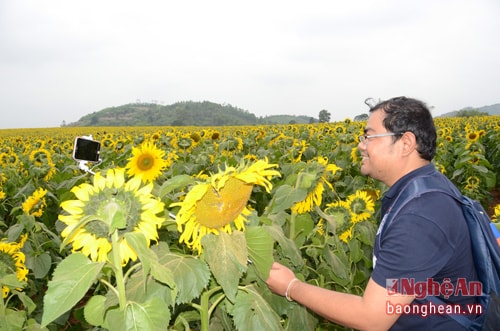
[86, 150]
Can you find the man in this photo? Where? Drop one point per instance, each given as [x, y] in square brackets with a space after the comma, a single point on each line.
[427, 242]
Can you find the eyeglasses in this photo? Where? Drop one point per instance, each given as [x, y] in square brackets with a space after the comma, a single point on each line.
[364, 138]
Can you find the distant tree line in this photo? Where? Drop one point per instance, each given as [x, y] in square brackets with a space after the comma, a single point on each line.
[190, 113]
[470, 113]
[186, 113]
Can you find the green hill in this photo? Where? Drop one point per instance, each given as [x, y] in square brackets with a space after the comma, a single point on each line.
[205, 113]
[288, 119]
[188, 113]
[491, 110]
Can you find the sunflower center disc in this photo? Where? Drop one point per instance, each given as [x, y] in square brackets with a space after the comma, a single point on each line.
[217, 209]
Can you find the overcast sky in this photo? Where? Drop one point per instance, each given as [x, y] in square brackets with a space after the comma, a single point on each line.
[61, 60]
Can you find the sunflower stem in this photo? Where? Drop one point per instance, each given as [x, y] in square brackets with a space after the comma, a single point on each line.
[110, 286]
[3, 305]
[132, 269]
[215, 303]
[291, 234]
[120, 280]
[204, 316]
[204, 308]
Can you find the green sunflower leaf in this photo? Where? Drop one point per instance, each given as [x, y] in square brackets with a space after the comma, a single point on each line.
[153, 314]
[300, 318]
[141, 290]
[27, 302]
[285, 197]
[41, 264]
[149, 259]
[94, 310]
[139, 243]
[12, 320]
[174, 183]
[72, 279]
[260, 250]
[355, 252]
[227, 256]
[11, 281]
[191, 275]
[287, 247]
[252, 312]
[367, 233]
[339, 268]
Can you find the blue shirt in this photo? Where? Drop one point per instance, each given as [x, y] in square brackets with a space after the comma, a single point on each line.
[428, 242]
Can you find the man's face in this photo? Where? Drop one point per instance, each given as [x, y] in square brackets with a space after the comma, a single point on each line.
[379, 155]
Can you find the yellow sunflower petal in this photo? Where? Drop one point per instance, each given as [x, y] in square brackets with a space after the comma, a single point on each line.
[99, 181]
[119, 178]
[83, 191]
[73, 206]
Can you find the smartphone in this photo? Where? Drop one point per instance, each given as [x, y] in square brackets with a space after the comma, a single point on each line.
[86, 149]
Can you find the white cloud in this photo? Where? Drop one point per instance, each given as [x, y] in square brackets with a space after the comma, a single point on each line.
[61, 60]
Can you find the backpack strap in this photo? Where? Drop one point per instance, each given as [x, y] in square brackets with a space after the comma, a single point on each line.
[414, 189]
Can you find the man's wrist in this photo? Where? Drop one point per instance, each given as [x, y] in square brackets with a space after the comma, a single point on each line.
[288, 292]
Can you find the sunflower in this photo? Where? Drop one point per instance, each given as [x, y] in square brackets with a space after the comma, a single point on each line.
[220, 201]
[215, 136]
[110, 203]
[473, 183]
[240, 143]
[320, 227]
[340, 213]
[442, 132]
[42, 159]
[35, 204]
[355, 154]
[473, 136]
[346, 236]
[361, 206]
[147, 162]
[496, 213]
[319, 167]
[340, 129]
[440, 167]
[119, 145]
[9, 159]
[12, 261]
[195, 136]
[299, 147]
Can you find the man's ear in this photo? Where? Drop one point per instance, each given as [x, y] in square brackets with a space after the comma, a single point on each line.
[409, 142]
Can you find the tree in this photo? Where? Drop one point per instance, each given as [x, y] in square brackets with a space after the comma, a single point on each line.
[470, 113]
[324, 116]
[94, 119]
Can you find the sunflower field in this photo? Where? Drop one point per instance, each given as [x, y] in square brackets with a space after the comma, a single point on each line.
[176, 228]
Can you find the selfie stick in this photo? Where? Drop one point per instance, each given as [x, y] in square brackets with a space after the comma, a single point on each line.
[83, 166]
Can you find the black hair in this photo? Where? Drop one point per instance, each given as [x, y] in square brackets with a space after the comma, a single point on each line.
[410, 115]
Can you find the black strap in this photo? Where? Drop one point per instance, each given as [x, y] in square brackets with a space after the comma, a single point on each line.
[415, 188]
